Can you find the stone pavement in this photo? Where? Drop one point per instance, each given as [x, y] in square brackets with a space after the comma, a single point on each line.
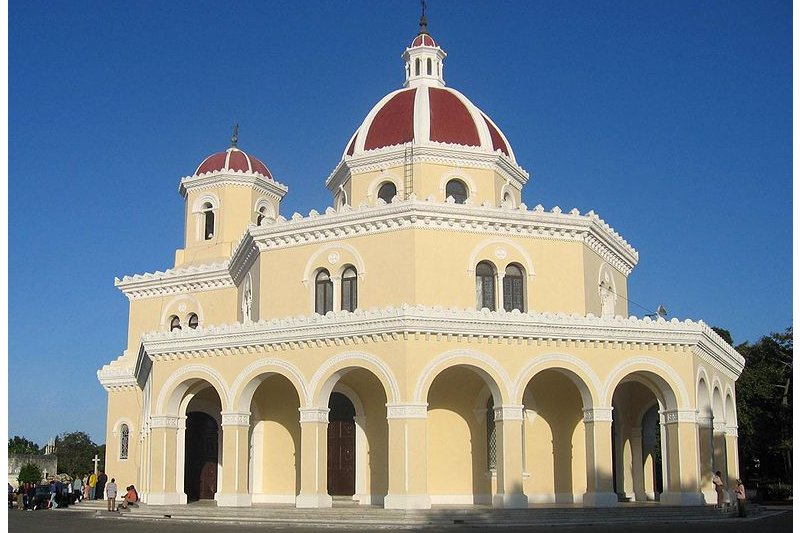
[346, 514]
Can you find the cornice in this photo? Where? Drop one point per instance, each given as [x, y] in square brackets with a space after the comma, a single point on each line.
[440, 153]
[211, 180]
[420, 322]
[175, 280]
[117, 375]
[447, 216]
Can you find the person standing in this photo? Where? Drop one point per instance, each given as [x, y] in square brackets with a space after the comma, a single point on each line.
[111, 493]
[740, 498]
[718, 487]
[77, 489]
[92, 485]
[102, 479]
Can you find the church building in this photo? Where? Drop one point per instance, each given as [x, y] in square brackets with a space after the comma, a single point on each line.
[428, 339]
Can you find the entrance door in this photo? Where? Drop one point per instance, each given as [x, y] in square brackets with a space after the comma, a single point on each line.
[341, 446]
[200, 471]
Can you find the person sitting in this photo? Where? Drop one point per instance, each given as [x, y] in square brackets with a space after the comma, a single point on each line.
[130, 499]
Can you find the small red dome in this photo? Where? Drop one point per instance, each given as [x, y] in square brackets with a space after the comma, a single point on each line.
[423, 39]
[233, 160]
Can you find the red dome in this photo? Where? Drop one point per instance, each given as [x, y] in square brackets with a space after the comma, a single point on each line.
[423, 39]
[427, 115]
[233, 160]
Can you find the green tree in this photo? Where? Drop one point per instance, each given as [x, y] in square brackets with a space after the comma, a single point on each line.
[30, 473]
[75, 452]
[764, 404]
[22, 445]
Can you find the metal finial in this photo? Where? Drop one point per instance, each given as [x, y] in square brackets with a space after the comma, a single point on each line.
[235, 138]
[423, 21]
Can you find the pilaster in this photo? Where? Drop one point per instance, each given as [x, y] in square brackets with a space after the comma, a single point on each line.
[313, 458]
[408, 457]
[508, 426]
[163, 463]
[681, 453]
[599, 458]
[235, 460]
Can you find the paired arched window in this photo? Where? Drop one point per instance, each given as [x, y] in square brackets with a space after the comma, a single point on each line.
[124, 435]
[208, 221]
[349, 289]
[387, 191]
[457, 190]
[513, 284]
[193, 321]
[484, 286]
[323, 292]
[174, 323]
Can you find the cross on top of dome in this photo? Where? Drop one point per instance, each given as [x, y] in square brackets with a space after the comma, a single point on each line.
[424, 58]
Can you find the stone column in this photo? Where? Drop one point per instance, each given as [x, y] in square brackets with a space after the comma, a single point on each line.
[313, 458]
[163, 461]
[681, 452]
[408, 457]
[500, 296]
[508, 427]
[732, 453]
[235, 460]
[705, 434]
[638, 465]
[599, 461]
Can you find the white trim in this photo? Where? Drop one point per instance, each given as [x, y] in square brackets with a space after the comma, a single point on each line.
[482, 362]
[351, 359]
[658, 367]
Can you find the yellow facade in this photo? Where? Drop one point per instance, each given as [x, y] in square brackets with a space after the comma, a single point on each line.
[409, 351]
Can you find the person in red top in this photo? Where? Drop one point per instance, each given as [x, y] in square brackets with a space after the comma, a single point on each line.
[131, 497]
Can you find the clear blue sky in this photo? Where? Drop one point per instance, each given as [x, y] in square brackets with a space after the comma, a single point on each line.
[672, 120]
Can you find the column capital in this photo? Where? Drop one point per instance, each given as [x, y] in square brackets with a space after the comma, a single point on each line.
[236, 418]
[164, 421]
[406, 410]
[317, 415]
[508, 412]
[732, 431]
[679, 416]
[719, 427]
[705, 422]
[597, 414]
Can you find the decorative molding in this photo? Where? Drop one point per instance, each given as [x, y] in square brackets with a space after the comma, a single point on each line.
[406, 410]
[236, 418]
[597, 414]
[719, 427]
[173, 281]
[732, 431]
[679, 416]
[509, 412]
[314, 414]
[118, 375]
[238, 178]
[705, 422]
[163, 421]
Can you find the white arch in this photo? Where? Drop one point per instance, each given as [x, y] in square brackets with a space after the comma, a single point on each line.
[481, 246]
[477, 359]
[731, 418]
[314, 262]
[269, 211]
[617, 373]
[384, 177]
[386, 377]
[209, 197]
[703, 391]
[244, 381]
[507, 188]
[169, 388]
[551, 362]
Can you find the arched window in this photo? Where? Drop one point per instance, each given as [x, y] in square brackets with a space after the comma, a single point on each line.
[430, 67]
[491, 436]
[174, 323]
[416, 67]
[457, 190]
[193, 321]
[124, 434]
[262, 213]
[208, 221]
[507, 200]
[323, 301]
[387, 191]
[513, 294]
[484, 285]
[349, 289]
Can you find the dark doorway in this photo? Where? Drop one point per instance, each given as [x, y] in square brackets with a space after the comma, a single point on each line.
[202, 457]
[341, 446]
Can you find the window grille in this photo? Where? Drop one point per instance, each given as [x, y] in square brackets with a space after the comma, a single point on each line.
[513, 289]
[349, 290]
[124, 433]
[324, 293]
[484, 286]
[491, 436]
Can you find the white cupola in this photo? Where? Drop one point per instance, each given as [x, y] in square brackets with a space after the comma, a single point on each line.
[424, 60]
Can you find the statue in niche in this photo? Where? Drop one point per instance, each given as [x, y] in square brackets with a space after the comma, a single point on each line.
[247, 301]
[607, 296]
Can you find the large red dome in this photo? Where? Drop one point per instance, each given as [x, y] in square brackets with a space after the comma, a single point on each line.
[425, 115]
[233, 160]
